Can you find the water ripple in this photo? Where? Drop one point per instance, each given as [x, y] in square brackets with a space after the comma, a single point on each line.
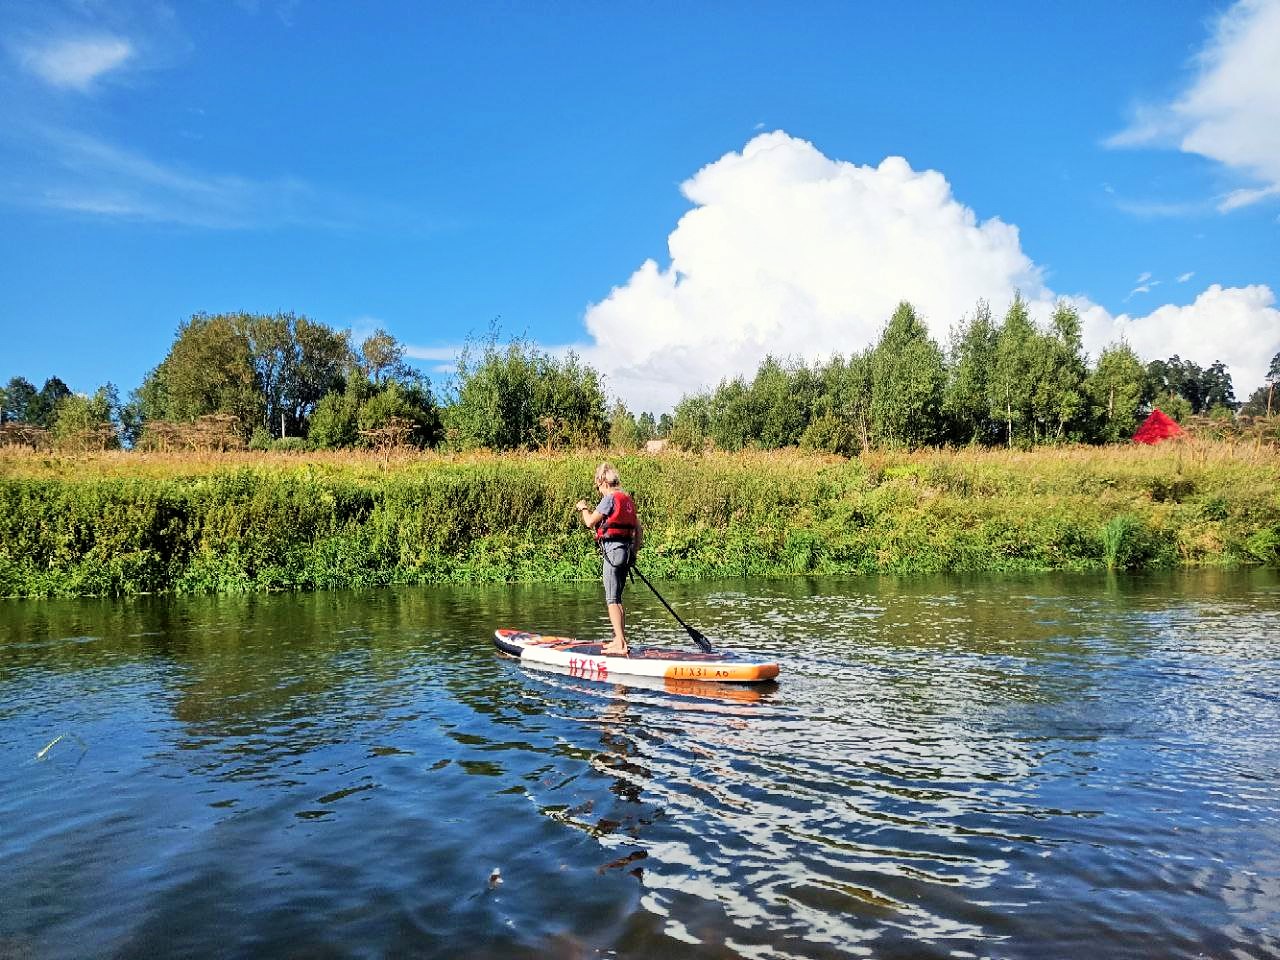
[954, 767]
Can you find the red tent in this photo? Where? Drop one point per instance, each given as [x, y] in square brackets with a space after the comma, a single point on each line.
[1157, 427]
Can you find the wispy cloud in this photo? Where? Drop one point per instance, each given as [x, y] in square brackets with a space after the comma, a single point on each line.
[1142, 287]
[49, 160]
[1247, 197]
[70, 171]
[1230, 111]
[439, 359]
[75, 63]
[1184, 277]
[1157, 209]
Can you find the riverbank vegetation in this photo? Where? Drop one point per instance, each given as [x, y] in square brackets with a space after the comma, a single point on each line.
[127, 522]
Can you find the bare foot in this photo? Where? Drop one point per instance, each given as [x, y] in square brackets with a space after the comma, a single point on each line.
[615, 650]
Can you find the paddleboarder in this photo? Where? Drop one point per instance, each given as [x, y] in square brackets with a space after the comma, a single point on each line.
[619, 536]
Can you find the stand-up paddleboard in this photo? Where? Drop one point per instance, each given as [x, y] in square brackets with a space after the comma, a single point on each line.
[582, 658]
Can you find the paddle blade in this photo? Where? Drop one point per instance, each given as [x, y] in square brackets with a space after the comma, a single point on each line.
[703, 643]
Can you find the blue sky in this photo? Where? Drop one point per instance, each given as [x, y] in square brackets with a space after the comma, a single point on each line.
[429, 167]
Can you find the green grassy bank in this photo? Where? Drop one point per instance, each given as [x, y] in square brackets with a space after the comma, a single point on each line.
[128, 523]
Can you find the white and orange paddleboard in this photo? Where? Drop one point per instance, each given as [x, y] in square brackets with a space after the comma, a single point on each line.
[582, 658]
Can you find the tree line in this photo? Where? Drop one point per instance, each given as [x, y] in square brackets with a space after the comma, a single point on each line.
[1010, 382]
[287, 382]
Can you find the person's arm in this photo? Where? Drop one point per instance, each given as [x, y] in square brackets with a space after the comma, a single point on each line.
[639, 540]
[589, 517]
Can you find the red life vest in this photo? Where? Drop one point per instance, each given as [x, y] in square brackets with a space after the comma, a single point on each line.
[620, 523]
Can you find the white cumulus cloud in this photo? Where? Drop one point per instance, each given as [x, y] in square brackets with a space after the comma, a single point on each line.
[791, 253]
[1238, 325]
[75, 63]
[1230, 112]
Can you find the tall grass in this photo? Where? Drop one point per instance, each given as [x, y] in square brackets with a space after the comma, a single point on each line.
[125, 522]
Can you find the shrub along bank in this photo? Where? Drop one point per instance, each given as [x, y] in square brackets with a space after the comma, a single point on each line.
[123, 523]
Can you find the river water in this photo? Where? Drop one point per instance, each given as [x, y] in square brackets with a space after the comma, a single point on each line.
[951, 767]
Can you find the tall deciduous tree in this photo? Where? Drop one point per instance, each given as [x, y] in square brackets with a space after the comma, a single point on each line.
[322, 358]
[268, 370]
[783, 395]
[689, 425]
[1011, 390]
[1114, 390]
[1059, 371]
[210, 369]
[735, 419]
[382, 357]
[972, 358]
[1273, 378]
[841, 421]
[907, 380]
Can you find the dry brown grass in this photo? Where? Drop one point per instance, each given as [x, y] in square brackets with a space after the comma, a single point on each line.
[1177, 457]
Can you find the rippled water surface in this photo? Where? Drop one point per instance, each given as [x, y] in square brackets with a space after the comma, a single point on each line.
[1041, 767]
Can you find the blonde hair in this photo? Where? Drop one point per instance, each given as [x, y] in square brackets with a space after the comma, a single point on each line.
[607, 473]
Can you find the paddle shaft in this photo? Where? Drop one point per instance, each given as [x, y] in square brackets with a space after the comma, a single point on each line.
[703, 643]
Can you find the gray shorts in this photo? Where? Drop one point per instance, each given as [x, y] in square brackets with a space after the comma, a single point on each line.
[617, 561]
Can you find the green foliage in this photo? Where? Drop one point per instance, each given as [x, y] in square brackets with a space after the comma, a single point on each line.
[317, 360]
[783, 396]
[1012, 386]
[1262, 402]
[518, 397]
[624, 431]
[1201, 389]
[381, 355]
[690, 426]
[334, 423]
[1176, 406]
[1059, 397]
[269, 370]
[210, 369]
[770, 412]
[87, 422]
[828, 433]
[972, 355]
[907, 378]
[410, 403]
[1114, 390]
[19, 399]
[1264, 545]
[21, 402]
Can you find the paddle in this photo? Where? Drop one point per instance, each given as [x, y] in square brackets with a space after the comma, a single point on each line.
[703, 643]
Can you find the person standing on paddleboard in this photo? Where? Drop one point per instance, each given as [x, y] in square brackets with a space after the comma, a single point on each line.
[619, 535]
